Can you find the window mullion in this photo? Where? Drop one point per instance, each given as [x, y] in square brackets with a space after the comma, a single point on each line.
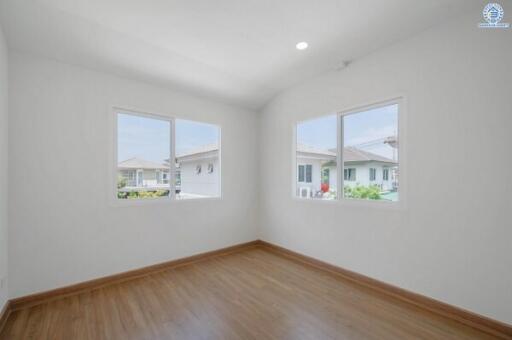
[172, 160]
[339, 158]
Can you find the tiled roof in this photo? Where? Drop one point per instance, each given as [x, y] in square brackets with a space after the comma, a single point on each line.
[350, 154]
[201, 149]
[138, 163]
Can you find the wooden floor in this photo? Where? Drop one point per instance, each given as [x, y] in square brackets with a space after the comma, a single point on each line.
[253, 294]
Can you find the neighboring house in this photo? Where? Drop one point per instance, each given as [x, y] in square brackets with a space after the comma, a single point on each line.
[140, 174]
[318, 166]
[197, 173]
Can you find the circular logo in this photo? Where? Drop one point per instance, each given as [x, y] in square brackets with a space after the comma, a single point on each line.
[493, 13]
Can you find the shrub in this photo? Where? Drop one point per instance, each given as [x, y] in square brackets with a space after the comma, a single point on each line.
[142, 194]
[371, 192]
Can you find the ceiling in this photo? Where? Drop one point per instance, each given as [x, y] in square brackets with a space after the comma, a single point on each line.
[236, 51]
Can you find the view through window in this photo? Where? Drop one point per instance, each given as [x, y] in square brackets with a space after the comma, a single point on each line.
[316, 158]
[144, 147]
[143, 150]
[197, 160]
[369, 155]
[370, 140]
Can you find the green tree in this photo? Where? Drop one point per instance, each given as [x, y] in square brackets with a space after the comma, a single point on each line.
[121, 182]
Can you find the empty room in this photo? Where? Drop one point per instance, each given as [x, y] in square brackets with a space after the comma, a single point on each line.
[255, 169]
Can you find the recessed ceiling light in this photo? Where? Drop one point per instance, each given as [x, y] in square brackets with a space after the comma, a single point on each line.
[302, 45]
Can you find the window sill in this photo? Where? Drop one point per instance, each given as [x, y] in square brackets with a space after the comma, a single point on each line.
[356, 203]
[158, 201]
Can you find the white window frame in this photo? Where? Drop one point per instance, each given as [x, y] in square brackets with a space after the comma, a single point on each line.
[305, 166]
[385, 174]
[372, 171]
[401, 203]
[303, 171]
[113, 168]
[348, 174]
[306, 173]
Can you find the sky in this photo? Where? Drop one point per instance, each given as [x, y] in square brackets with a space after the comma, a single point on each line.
[359, 128]
[149, 138]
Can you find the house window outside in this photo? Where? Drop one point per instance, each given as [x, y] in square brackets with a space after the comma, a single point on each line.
[305, 173]
[178, 181]
[309, 173]
[301, 174]
[128, 177]
[349, 174]
[148, 148]
[373, 174]
[325, 175]
[363, 141]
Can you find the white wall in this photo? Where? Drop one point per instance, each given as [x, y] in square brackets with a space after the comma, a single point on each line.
[3, 170]
[453, 240]
[63, 229]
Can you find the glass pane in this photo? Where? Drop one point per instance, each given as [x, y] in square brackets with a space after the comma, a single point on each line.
[370, 155]
[197, 160]
[143, 149]
[301, 173]
[316, 156]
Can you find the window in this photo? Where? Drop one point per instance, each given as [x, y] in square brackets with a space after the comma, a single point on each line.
[370, 140]
[316, 147]
[165, 177]
[309, 173]
[178, 180]
[143, 149]
[306, 173]
[349, 174]
[198, 159]
[325, 175]
[301, 173]
[373, 174]
[148, 152]
[385, 174]
[363, 141]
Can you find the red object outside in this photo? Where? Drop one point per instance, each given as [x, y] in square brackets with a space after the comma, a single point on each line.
[324, 187]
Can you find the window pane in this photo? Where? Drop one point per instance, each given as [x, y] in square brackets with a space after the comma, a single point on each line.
[373, 172]
[301, 173]
[309, 170]
[197, 160]
[316, 154]
[385, 174]
[370, 140]
[143, 149]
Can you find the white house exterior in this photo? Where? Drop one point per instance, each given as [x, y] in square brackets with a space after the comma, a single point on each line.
[360, 168]
[142, 175]
[197, 174]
